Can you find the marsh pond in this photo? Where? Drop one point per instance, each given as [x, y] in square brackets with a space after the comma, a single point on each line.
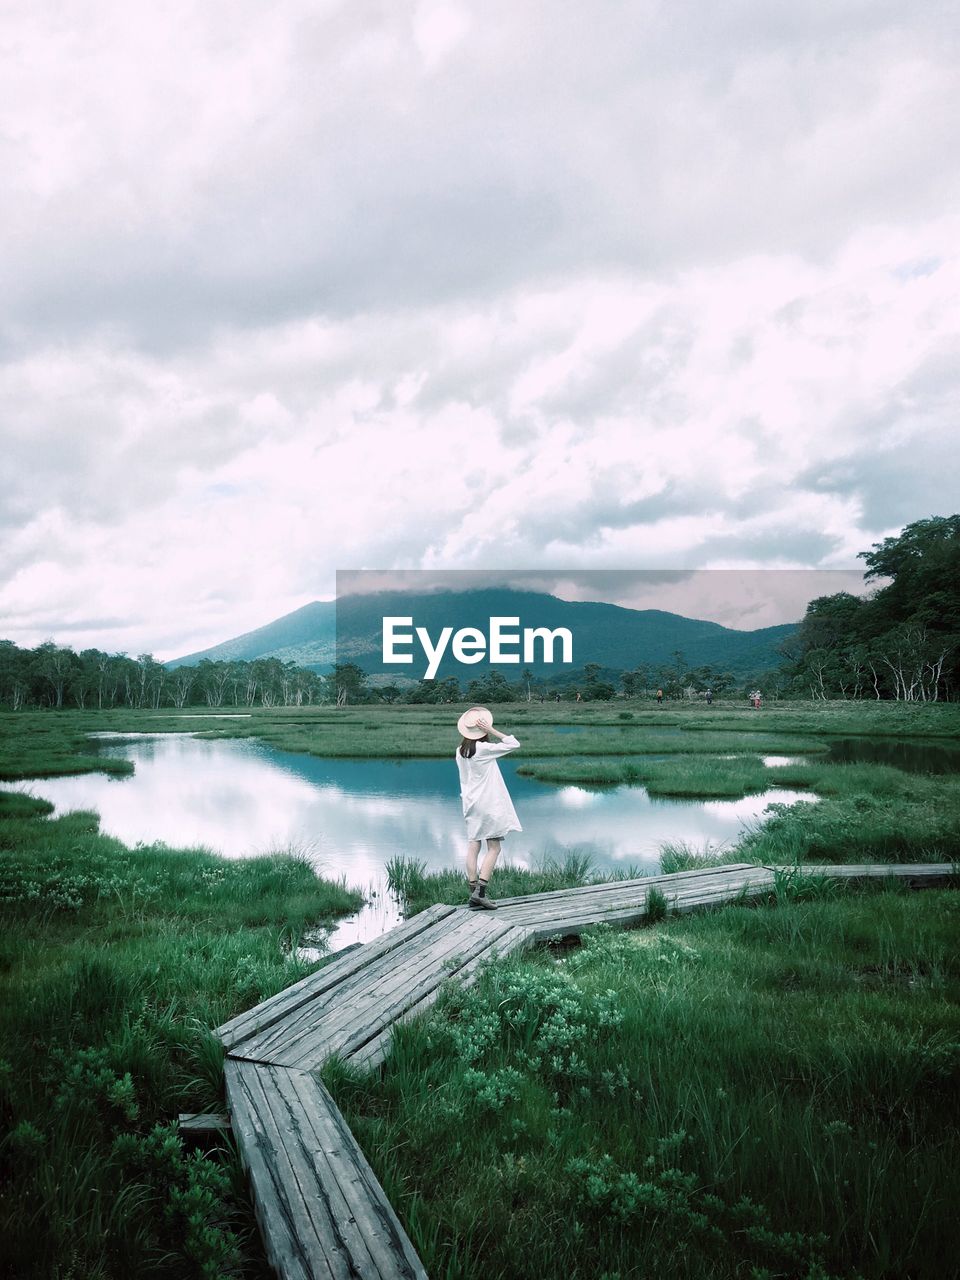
[240, 798]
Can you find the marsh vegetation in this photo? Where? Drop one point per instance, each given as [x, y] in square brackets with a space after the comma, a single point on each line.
[115, 963]
[766, 1090]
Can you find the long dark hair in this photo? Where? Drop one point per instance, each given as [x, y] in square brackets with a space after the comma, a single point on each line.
[468, 746]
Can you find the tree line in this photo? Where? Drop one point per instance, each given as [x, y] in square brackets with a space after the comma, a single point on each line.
[902, 642]
[56, 676]
[53, 675]
[594, 683]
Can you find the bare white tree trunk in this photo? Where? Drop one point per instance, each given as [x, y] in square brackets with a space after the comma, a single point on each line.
[876, 680]
[182, 684]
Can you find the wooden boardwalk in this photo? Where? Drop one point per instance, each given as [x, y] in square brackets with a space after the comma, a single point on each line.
[321, 1211]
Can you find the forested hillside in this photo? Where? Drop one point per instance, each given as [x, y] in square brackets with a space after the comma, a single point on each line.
[616, 638]
[903, 642]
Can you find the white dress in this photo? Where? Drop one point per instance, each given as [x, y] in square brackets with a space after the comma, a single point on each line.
[487, 807]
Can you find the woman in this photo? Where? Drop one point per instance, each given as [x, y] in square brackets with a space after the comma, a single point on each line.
[487, 808]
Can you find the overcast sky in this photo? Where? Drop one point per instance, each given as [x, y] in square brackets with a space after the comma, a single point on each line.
[301, 287]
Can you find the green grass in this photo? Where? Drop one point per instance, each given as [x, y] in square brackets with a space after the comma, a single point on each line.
[767, 1091]
[49, 746]
[31, 742]
[686, 776]
[681, 855]
[863, 812]
[853, 830]
[115, 962]
[418, 888]
[114, 965]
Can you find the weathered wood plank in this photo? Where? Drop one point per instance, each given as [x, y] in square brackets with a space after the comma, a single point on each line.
[706, 887]
[679, 880]
[189, 1122]
[373, 1052]
[572, 923]
[559, 895]
[364, 1215]
[285, 1210]
[919, 871]
[573, 926]
[322, 1213]
[387, 971]
[281, 1005]
[391, 970]
[692, 902]
[350, 1028]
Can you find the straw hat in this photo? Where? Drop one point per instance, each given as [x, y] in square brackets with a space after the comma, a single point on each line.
[468, 725]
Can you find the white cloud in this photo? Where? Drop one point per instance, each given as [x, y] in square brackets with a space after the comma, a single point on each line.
[438, 28]
[442, 285]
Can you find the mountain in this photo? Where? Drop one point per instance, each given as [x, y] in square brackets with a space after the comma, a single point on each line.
[308, 637]
[616, 638]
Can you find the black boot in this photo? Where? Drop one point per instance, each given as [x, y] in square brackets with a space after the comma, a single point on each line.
[479, 900]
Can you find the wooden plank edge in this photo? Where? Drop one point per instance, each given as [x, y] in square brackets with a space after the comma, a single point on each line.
[279, 1006]
[278, 1042]
[340, 1249]
[370, 1055]
[367, 1226]
[194, 1122]
[727, 886]
[342, 1036]
[875, 870]
[639, 881]
[286, 1252]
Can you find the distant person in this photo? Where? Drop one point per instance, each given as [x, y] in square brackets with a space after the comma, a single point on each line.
[487, 808]
[709, 697]
[558, 695]
[659, 697]
[579, 699]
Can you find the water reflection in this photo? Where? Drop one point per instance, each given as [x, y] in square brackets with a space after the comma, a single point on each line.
[380, 912]
[912, 757]
[240, 798]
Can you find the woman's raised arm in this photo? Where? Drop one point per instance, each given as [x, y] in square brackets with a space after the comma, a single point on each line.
[507, 743]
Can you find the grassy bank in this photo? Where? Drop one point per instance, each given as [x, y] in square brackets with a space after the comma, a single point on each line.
[114, 965]
[418, 888]
[699, 776]
[602, 729]
[866, 813]
[49, 745]
[862, 813]
[765, 1092]
[115, 962]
